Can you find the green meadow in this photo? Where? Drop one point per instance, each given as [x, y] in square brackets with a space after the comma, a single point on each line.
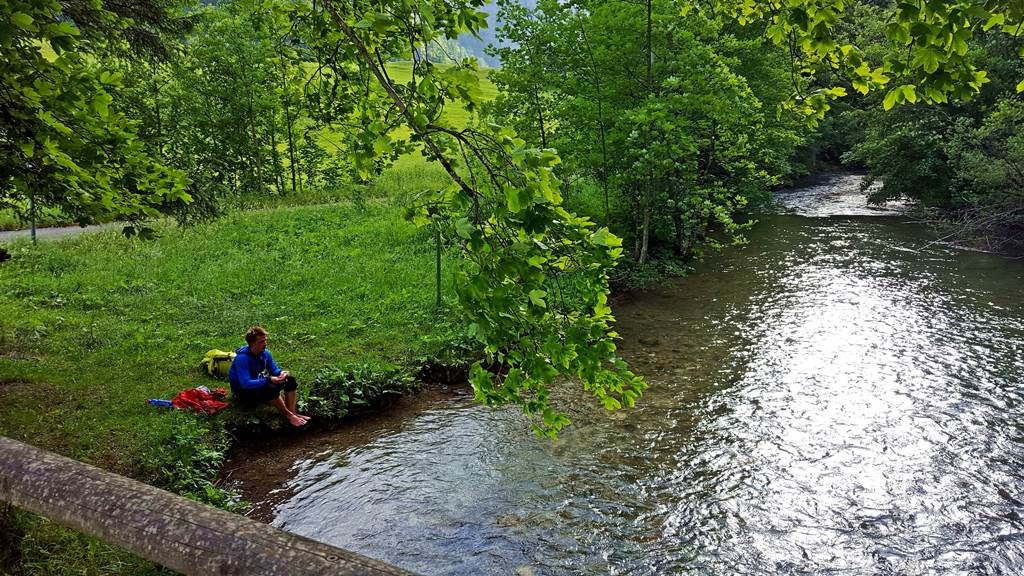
[93, 326]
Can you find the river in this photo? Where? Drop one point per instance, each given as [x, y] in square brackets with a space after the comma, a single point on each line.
[841, 395]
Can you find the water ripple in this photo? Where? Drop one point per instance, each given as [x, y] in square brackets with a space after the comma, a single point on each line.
[837, 397]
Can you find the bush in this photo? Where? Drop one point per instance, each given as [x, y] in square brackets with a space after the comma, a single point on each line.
[338, 390]
[630, 276]
[188, 462]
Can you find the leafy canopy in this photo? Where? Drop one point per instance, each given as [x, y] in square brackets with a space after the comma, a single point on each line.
[929, 59]
[62, 143]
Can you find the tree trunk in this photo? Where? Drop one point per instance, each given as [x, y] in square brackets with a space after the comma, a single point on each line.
[540, 117]
[637, 225]
[677, 223]
[646, 225]
[536, 101]
[646, 231]
[156, 111]
[603, 174]
[254, 144]
[291, 141]
[289, 125]
[650, 50]
[275, 156]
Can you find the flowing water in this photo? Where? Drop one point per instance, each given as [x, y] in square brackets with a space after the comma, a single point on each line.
[839, 396]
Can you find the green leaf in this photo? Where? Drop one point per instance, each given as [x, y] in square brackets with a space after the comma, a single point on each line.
[382, 23]
[517, 198]
[537, 261]
[610, 403]
[898, 33]
[101, 103]
[909, 93]
[537, 297]
[890, 99]
[602, 237]
[836, 92]
[22, 20]
[382, 145]
[928, 58]
[1020, 86]
[935, 95]
[464, 228]
[997, 19]
[921, 30]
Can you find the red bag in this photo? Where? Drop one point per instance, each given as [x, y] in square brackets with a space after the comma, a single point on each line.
[200, 400]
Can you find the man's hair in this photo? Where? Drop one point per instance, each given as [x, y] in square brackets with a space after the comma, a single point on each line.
[253, 333]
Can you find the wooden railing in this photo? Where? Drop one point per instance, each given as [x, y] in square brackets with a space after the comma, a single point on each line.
[165, 528]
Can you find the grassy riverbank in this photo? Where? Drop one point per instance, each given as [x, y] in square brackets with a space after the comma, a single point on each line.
[91, 327]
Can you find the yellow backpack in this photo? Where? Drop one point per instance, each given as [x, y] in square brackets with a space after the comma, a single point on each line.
[218, 362]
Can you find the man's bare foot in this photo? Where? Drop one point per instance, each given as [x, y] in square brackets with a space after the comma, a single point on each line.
[296, 420]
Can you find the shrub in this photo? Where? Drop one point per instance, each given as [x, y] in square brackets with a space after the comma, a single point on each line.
[188, 462]
[338, 390]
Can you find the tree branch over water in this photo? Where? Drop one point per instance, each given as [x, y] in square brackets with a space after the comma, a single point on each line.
[534, 291]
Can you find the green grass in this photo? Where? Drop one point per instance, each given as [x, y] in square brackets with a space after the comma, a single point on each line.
[49, 549]
[455, 113]
[92, 327]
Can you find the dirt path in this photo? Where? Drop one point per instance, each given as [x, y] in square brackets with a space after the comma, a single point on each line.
[53, 233]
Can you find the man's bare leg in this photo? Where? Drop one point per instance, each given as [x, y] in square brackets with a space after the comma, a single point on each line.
[293, 418]
[290, 400]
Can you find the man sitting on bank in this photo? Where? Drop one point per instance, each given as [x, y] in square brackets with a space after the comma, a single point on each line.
[256, 379]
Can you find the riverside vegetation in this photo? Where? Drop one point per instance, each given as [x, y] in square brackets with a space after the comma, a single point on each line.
[97, 324]
[671, 117]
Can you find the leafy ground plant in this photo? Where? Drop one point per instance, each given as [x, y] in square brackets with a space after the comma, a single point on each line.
[338, 390]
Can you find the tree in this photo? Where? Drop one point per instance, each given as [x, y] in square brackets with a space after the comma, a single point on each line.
[534, 289]
[928, 56]
[149, 29]
[61, 142]
[648, 104]
[238, 110]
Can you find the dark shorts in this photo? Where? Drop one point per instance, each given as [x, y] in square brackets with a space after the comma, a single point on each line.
[264, 394]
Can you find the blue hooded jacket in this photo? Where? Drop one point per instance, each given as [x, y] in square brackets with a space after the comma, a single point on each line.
[248, 371]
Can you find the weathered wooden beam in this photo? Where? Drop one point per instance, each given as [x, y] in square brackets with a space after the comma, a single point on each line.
[176, 532]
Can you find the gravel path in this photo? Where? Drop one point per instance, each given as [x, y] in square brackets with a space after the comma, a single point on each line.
[54, 233]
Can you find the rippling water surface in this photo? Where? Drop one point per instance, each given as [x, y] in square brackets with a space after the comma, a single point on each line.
[840, 395]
